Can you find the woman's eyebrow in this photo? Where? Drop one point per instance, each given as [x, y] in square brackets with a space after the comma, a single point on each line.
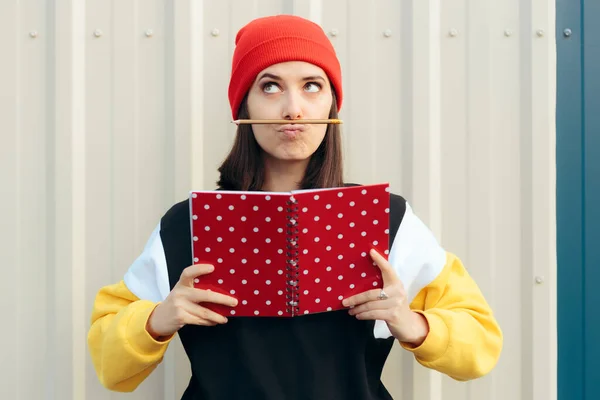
[278, 78]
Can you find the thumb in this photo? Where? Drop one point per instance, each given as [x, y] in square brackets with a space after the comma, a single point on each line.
[192, 272]
[387, 271]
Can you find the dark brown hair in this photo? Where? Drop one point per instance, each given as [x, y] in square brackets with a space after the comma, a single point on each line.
[243, 168]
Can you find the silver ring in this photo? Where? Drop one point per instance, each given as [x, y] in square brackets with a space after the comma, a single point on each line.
[382, 295]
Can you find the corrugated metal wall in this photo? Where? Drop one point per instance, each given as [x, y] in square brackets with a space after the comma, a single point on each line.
[110, 111]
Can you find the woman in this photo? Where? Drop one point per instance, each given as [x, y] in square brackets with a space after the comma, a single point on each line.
[284, 67]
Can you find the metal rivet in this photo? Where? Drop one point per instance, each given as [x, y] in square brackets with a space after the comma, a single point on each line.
[508, 33]
[215, 32]
[539, 280]
[33, 34]
[97, 33]
[149, 32]
[567, 32]
[453, 32]
[387, 33]
[334, 32]
[540, 32]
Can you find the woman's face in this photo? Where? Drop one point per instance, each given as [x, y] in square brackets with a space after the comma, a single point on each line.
[290, 90]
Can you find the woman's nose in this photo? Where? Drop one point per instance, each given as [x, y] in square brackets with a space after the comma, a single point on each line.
[292, 108]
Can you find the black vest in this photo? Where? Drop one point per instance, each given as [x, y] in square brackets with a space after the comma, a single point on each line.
[327, 356]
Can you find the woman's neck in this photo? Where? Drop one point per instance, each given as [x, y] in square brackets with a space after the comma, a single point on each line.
[283, 176]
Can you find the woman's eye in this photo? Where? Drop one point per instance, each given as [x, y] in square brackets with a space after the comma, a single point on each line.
[270, 88]
[313, 87]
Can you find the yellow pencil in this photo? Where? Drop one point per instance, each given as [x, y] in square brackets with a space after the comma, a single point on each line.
[287, 121]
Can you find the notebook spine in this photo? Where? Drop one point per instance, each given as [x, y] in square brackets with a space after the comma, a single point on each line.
[292, 259]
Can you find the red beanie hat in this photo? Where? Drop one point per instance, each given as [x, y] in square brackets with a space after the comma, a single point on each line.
[271, 40]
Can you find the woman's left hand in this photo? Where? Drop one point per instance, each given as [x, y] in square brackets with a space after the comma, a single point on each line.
[389, 304]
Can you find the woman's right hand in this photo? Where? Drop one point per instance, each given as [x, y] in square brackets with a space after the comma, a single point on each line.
[181, 305]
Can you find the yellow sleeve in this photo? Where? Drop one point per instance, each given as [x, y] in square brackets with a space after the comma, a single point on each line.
[122, 350]
[464, 340]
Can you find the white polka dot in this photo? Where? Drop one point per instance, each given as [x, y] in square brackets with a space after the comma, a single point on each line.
[387, 210]
[267, 198]
[305, 251]
[244, 261]
[317, 218]
[280, 251]
[243, 218]
[194, 195]
[316, 197]
[329, 308]
[268, 219]
[256, 272]
[219, 218]
[340, 297]
[317, 280]
[206, 206]
[340, 215]
[194, 217]
[196, 280]
[232, 291]
[364, 191]
[375, 242]
[244, 240]
[340, 194]
[280, 312]
[231, 208]
[305, 209]
[231, 229]
[363, 274]
[305, 311]
[243, 197]
[352, 265]
[280, 272]
[328, 248]
[352, 224]
[328, 269]
[375, 222]
[268, 261]
[387, 189]
[340, 277]
[280, 209]
[363, 233]
[351, 245]
[232, 271]
[232, 250]
[280, 292]
[268, 302]
[387, 231]
[387, 252]
[340, 236]
[256, 312]
[256, 292]
[255, 229]
[232, 312]
[219, 196]
[374, 283]
[306, 292]
[255, 251]
[305, 272]
[352, 286]
[305, 230]
[328, 206]
[317, 259]
[328, 227]
[317, 300]
[340, 257]
[363, 254]
[244, 302]
[219, 239]
[255, 208]
[267, 240]
[268, 282]
[280, 230]
[220, 260]
[352, 204]
[375, 201]
[317, 239]
[244, 281]
[363, 212]
[196, 259]
[329, 289]
[195, 238]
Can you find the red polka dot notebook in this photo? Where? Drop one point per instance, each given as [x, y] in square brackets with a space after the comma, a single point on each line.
[289, 254]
